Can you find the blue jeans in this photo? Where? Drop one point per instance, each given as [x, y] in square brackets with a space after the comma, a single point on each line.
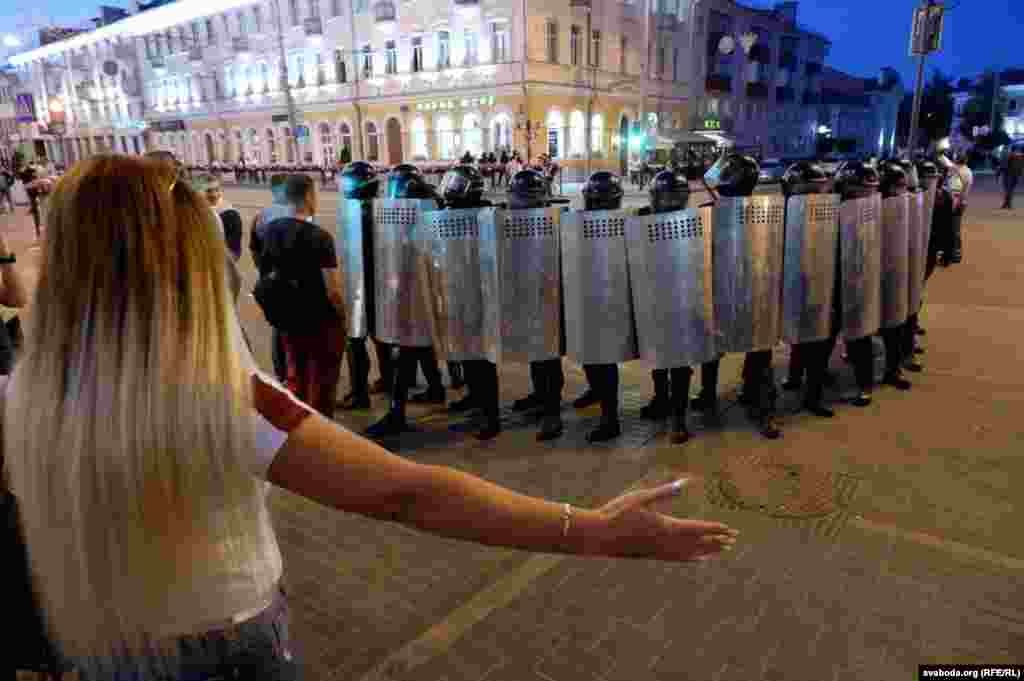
[258, 649]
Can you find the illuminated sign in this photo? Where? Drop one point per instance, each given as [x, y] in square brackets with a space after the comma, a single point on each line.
[711, 124]
[451, 104]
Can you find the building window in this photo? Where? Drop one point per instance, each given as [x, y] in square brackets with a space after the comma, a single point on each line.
[555, 133]
[597, 133]
[551, 29]
[472, 135]
[675, 63]
[195, 34]
[659, 67]
[373, 140]
[339, 67]
[390, 58]
[243, 23]
[335, 8]
[314, 9]
[346, 136]
[577, 134]
[367, 62]
[574, 45]
[257, 18]
[444, 54]
[499, 42]
[419, 140]
[445, 138]
[595, 49]
[293, 6]
[211, 37]
[417, 54]
[623, 53]
[265, 76]
[362, 6]
[471, 51]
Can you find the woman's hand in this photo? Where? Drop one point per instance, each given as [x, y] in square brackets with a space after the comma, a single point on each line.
[631, 530]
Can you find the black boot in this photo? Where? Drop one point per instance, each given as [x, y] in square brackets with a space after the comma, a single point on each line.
[765, 411]
[394, 423]
[608, 388]
[707, 400]
[590, 396]
[531, 401]
[796, 367]
[817, 363]
[455, 375]
[680, 401]
[538, 381]
[659, 406]
[485, 383]
[467, 403]
[550, 380]
[896, 380]
[359, 375]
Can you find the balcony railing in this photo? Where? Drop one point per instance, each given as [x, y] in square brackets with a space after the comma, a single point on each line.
[313, 26]
[813, 68]
[784, 94]
[761, 54]
[384, 12]
[718, 83]
[787, 60]
[757, 90]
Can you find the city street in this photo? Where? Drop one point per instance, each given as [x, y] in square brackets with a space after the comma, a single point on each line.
[873, 542]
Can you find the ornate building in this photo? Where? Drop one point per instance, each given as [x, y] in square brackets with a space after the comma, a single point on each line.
[392, 81]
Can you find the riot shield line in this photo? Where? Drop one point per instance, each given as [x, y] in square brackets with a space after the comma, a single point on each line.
[462, 283]
[931, 185]
[861, 266]
[747, 242]
[809, 268]
[402, 308]
[349, 244]
[530, 283]
[669, 257]
[895, 260]
[599, 320]
[917, 250]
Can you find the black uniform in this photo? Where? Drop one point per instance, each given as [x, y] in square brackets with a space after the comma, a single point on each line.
[406, 182]
[529, 189]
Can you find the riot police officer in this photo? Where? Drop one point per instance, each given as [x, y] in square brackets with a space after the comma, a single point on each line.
[856, 180]
[529, 189]
[462, 187]
[406, 182]
[735, 176]
[602, 191]
[669, 192]
[359, 181]
[929, 174]
[807, 177]
[893, 181]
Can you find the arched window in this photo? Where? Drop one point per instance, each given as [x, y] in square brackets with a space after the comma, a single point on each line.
[445, 138]
[556, 134]
[577, 134]
[419, 140]
[346, 136]
[372, 142]
[327, 152]
[501, 132]
[240, 144]
[597, 133]
[472, 135]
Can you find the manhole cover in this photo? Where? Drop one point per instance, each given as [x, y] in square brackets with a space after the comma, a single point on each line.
[781, 490]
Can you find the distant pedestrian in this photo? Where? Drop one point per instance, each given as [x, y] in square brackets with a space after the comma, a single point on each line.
[6, 185]
[1011, 175]
[967, 181]
[230, 218]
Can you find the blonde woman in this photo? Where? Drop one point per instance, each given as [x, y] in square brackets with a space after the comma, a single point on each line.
[139, 440]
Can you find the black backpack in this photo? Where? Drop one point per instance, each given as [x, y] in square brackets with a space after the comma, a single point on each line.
[282, 299]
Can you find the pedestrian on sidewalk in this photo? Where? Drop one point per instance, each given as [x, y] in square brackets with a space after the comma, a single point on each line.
[154, 555]
[1012, 171]
[967, 181]
[6, 186]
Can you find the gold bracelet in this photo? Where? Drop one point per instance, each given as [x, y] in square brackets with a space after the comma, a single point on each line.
[567, 511]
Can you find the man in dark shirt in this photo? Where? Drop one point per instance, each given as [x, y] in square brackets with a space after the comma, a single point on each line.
[299, 250]
[1011, 175]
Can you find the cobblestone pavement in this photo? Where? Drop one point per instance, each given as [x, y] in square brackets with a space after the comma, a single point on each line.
[871, 543]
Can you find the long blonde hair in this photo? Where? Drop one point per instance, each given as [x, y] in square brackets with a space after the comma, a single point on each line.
[127, 422]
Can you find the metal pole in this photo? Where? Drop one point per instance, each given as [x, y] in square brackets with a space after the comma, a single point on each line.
[588, 123]
[645, 68]
[995, 101]
[526, 94]
[360, 151]
[916, 111]
[293, 117]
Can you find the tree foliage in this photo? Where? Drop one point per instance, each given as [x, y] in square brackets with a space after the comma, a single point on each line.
[978, 113]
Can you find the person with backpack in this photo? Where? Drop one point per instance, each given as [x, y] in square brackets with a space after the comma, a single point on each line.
[300, 292]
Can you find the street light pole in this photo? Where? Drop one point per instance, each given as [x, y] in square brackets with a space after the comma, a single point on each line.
[293, 116]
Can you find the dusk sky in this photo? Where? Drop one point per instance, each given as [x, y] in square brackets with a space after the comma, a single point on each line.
[866, 34]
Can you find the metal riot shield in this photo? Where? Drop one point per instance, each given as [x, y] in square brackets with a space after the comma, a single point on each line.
[670, 278]
[462, 283]
[895, 260]
[599, 326]
[353, 272]
[917, 250]
[531, 291]
[747, 237]
[931, 187]
[809, 267]
[860, 261]
[402, 314]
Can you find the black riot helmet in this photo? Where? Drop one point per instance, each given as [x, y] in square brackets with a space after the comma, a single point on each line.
[805, 177]
[734, 175]
[406, 182]
[603, 191]
[911, 170]
[462, 187]
[359, 181]
[892, 178]
[927, 169]
[528, 189]
[856, 180]
[669, 192]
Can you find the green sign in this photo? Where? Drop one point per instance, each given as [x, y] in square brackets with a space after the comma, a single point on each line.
[711, 124]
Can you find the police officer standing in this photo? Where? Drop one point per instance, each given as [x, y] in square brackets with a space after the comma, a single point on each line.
[669, 192]
[528, 189]
[893, 182]
[359, 182]
[462, 187]
[406, 182]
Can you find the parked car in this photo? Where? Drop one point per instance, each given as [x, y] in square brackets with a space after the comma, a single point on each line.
[772, 170]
